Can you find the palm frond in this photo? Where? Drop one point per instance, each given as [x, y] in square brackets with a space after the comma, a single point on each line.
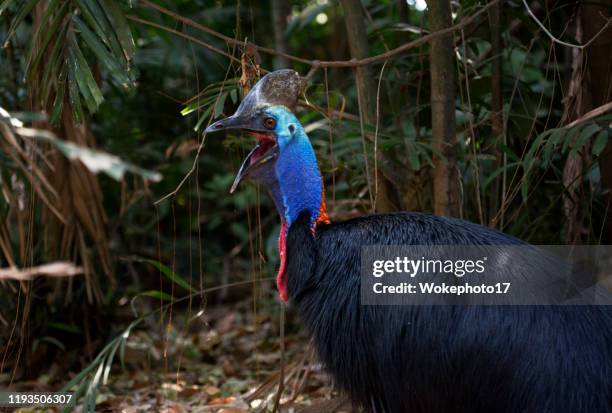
[72, 38]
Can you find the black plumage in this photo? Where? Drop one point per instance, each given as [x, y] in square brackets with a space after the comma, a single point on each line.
[442, 358]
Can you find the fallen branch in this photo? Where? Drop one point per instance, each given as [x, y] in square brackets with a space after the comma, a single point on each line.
[55, 269]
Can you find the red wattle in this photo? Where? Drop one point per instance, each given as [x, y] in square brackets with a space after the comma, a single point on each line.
[281, 277]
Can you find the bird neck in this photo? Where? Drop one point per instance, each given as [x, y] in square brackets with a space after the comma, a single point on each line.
[300, 184]
[300, 189]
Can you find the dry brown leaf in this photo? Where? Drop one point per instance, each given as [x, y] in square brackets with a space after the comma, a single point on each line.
[221, 400]
[212, 390]
[54, 269]
[175, 408]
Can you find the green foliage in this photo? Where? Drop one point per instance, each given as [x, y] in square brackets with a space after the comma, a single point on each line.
[211, 101]
[171, 275]
[86, 384]
[554, 144]
[86, 58]
[57, 61]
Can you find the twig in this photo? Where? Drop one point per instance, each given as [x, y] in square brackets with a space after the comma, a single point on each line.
[315, 64]
[591, 114]
[322, 63]
[186, 36]
[221, 36]
[197, 156]
[561, 42]
[55, 269]
[380, 77]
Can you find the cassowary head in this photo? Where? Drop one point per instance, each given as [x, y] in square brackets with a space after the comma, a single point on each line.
[284, 162]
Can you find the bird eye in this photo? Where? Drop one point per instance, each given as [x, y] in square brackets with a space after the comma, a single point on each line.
[269, 123]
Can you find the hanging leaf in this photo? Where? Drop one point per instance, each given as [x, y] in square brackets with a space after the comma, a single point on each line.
[498, 172]
[570, 137]
[555, 139]
[121, 28]
[534, 149]
[87, 84]
[171, 275]
[601, 140]
[95, 161]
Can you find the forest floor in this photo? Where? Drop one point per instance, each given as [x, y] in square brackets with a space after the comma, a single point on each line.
[226, 361]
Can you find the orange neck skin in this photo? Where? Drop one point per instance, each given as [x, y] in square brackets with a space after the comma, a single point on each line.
[281, 277]
[323, 218]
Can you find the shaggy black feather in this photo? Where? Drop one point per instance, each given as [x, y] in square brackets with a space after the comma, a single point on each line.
[434, 359]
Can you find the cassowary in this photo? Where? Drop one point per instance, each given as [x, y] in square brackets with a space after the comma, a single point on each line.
[415, 359]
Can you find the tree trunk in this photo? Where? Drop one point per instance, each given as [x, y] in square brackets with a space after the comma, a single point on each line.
[497, 121]
[599, 66]
[385, 196]
[445, 177]
[577, 102]
[280, 11]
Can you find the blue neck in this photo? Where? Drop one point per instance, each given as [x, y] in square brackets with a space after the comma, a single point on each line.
[299, 178]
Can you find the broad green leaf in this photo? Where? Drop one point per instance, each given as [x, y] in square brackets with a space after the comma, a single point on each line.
[570, 137]
[553, 142]
[586, 133]
[600, 142]
[171, 275]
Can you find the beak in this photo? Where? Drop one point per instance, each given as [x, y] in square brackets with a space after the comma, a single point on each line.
[265, 152]
[232, 122]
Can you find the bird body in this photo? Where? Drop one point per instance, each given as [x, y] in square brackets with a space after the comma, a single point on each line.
[394, 359]
[442, 358]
